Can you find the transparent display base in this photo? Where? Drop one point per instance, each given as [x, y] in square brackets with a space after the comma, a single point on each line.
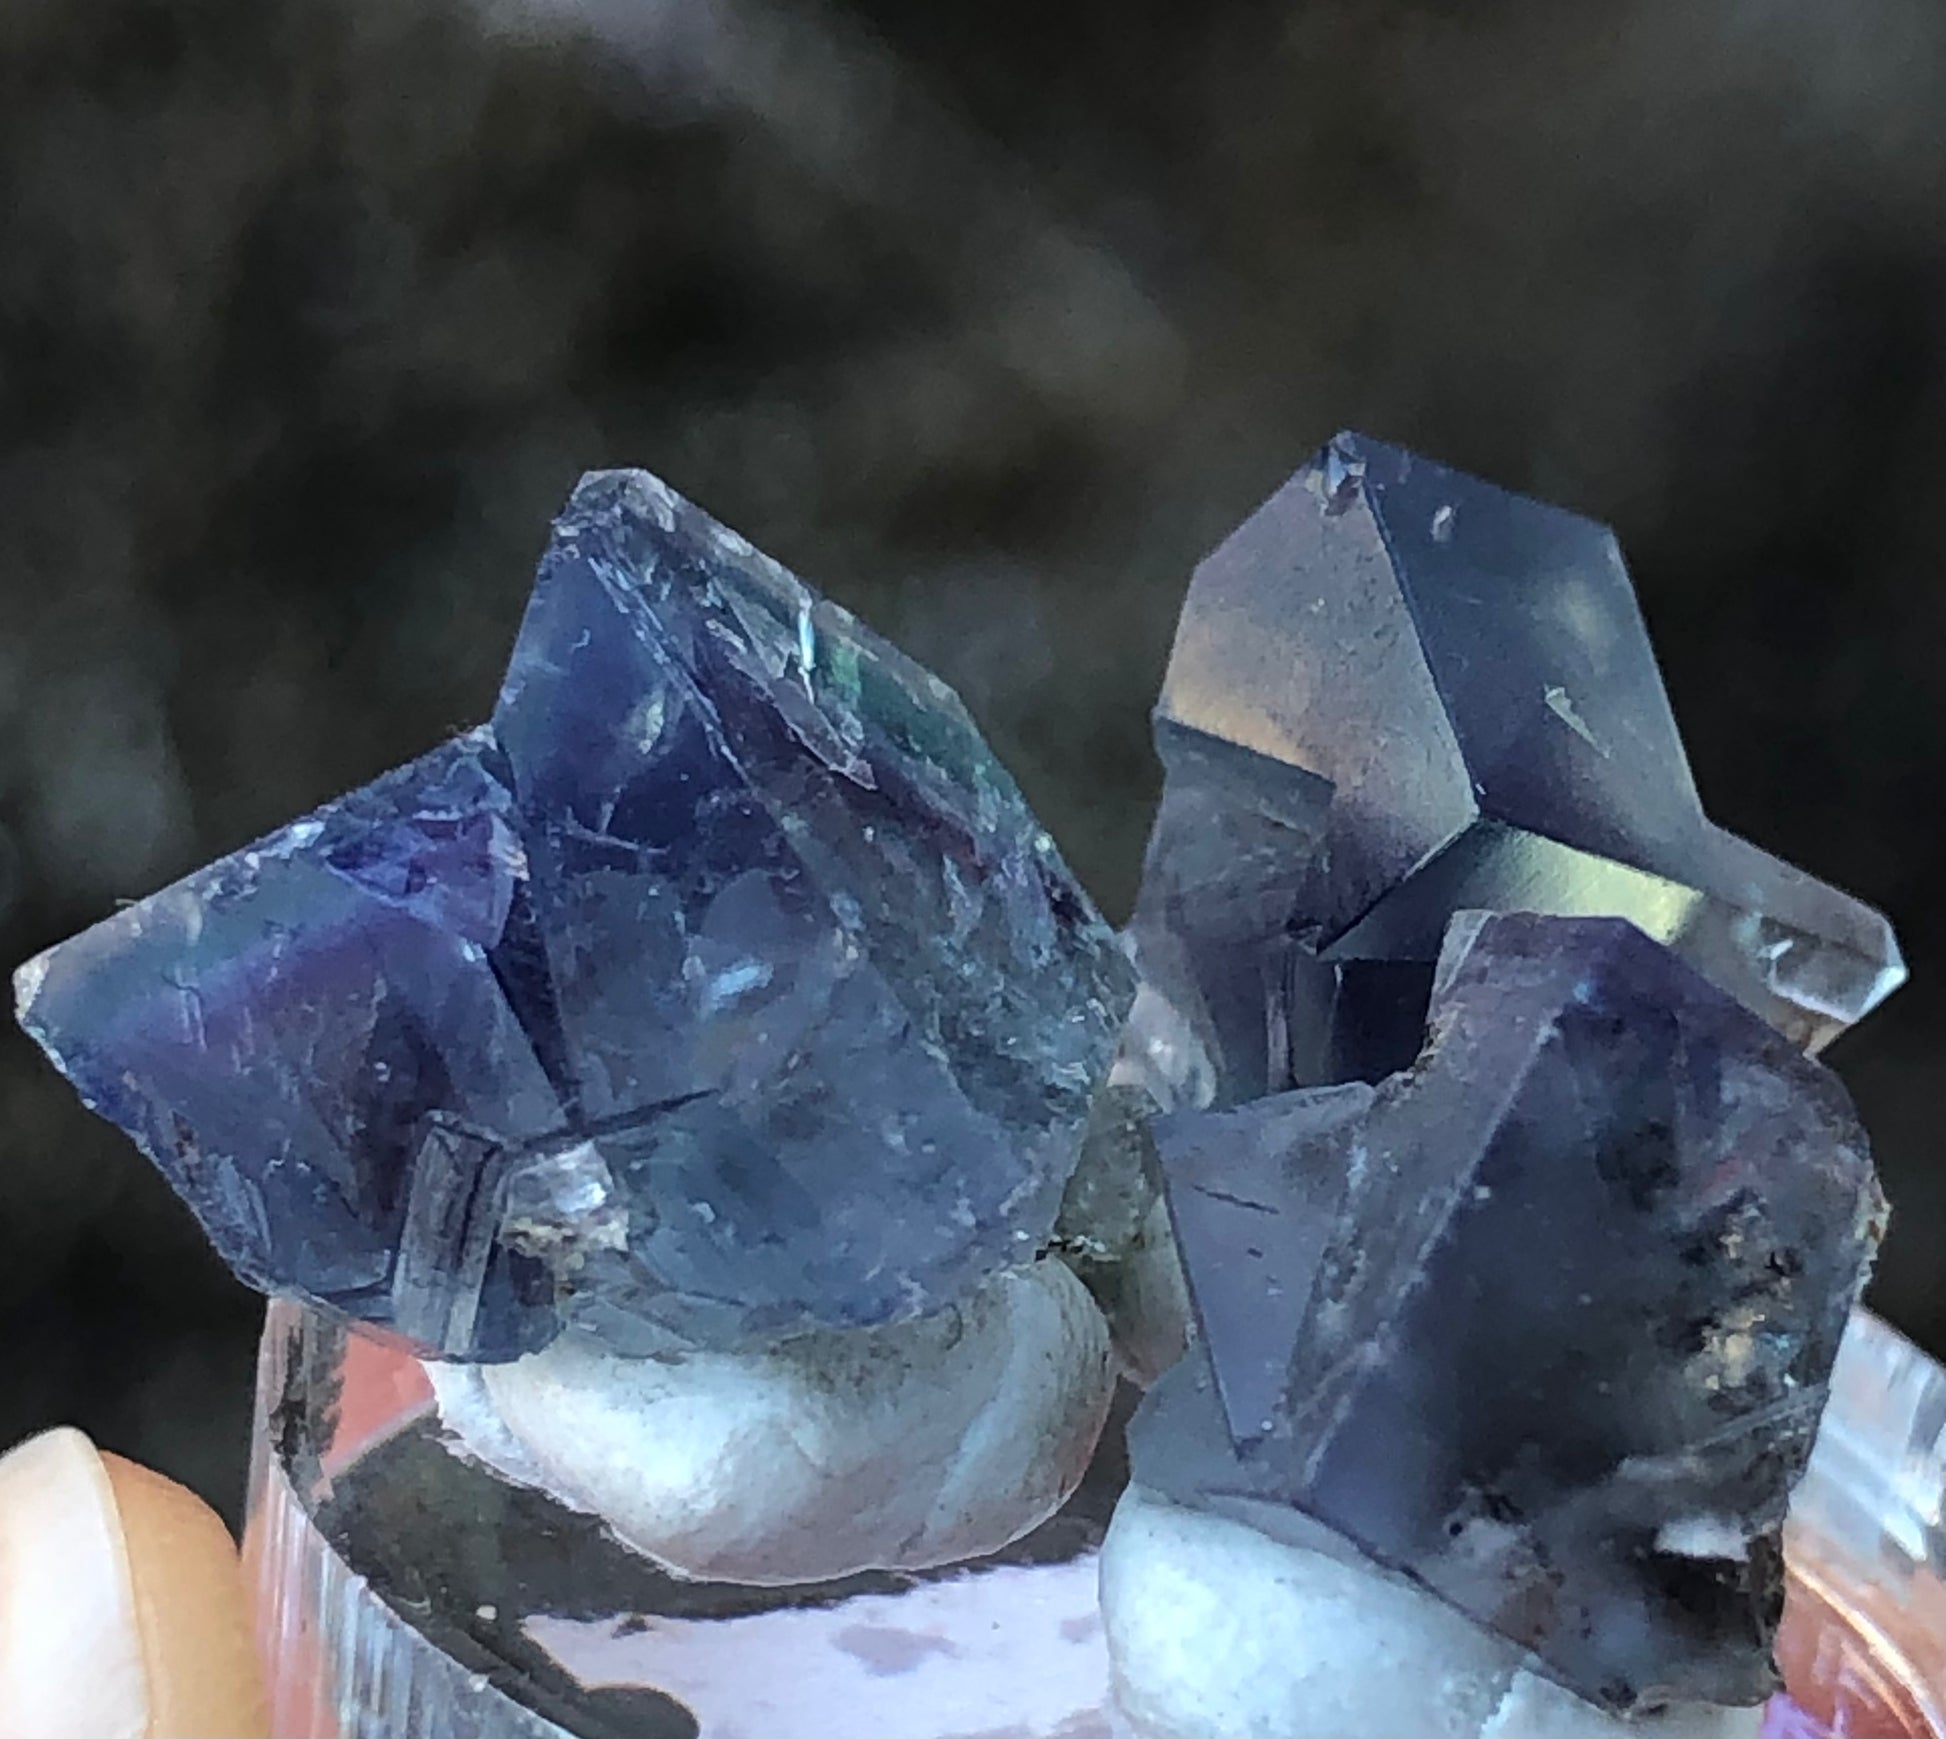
[406, 1592]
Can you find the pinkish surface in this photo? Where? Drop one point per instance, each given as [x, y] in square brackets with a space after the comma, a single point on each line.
[1784, 1719]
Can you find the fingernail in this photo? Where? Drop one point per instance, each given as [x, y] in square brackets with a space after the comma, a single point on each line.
[71, 1660]
[191, 1611]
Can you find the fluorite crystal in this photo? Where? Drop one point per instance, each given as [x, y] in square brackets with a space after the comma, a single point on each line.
[1398, 692]
[723, 985]
[1544, 1322]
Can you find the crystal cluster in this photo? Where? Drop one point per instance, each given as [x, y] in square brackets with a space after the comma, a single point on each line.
[1396, 693]
[1522, 1228]
[722, 985]
[721, 992]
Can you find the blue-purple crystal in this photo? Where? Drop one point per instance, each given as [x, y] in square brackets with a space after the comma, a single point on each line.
[1398, 692]
[723, 984]
[1544, 1322]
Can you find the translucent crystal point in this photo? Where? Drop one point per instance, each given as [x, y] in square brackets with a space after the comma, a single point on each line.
[1453, 686]
[723, 984]
[1545, 1322]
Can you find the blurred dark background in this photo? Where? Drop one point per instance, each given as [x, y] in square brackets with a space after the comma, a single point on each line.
[989, 318]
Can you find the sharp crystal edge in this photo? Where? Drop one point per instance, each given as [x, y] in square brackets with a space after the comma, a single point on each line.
[1398, 692]
[723, 985]
[1544, 1322]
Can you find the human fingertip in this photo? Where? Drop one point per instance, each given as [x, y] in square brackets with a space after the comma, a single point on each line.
[191, 1610]
[122, 1604]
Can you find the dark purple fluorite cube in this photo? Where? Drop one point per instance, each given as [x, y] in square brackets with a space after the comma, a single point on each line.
[1544, 1321]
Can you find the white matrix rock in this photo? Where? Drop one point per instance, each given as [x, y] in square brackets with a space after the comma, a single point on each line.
[1217, 1631]
[899, 1447]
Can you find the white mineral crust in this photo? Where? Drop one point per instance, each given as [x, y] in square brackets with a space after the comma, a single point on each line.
[899, 1447]
[1217, 1631]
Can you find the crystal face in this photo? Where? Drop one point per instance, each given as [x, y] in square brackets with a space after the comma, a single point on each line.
[1424, 694]
[1546, 1321]
[723, 984]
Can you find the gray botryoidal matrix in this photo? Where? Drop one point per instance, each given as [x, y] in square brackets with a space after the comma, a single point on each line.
[722, 989]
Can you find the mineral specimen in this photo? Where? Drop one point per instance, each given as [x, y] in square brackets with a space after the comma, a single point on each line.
[1398, 692]
[720, 1003]
[1544, 1322]
[723, 984]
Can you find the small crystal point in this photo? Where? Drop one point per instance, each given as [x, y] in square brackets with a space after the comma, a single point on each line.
[1567, 1328]
[724, 983]
[1212, 927]
[1456, 682]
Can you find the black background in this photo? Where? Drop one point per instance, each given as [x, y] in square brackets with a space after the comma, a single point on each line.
[988, 316]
